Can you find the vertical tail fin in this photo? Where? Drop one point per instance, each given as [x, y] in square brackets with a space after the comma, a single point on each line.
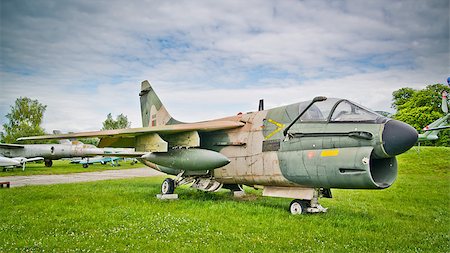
[62, 141]
[444, 105]
[153, 111]
[67, 141]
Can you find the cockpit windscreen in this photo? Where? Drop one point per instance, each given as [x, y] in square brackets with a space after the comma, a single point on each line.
[347, 111]
[341, 110]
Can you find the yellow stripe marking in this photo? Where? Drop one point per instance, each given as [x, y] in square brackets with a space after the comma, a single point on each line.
[279, 127]
[330, 152]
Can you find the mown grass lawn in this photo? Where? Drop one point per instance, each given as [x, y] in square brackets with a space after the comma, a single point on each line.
[124, 215]
[64, 167]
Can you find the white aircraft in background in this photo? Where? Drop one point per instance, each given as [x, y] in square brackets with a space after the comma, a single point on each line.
[10, 163]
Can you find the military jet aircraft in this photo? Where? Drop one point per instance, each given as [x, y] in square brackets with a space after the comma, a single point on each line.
[7, 162]
[10, 163]
[297, 151]
[433, 129]
[49, 152]
[109, 155]
[85, 162]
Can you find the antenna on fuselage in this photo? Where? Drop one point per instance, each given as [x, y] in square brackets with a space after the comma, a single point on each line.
[316, 99]
[261, 105]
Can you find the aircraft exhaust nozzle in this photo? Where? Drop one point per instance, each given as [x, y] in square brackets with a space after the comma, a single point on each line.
[188, 159]
[398, 137]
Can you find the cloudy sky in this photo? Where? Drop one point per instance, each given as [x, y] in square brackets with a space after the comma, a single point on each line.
[208, 59]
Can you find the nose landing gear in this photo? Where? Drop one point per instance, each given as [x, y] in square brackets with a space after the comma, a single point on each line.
[48, 163]
[298, 206]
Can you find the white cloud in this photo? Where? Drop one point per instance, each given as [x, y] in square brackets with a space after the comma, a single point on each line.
[85, 59]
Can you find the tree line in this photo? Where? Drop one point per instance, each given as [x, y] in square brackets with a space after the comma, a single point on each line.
[25, 119]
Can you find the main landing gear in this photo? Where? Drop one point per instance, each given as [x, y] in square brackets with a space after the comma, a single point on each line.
[200, 183]
[168, 186]
[48, 163]
[297, 206]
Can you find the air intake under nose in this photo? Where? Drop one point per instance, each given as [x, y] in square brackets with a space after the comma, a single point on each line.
[398, 137]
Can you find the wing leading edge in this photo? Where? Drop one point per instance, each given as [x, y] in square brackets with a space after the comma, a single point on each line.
[11, 146]
[148, 139]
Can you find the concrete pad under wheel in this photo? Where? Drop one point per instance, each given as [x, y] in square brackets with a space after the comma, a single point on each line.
[238, 194]
[167, 196]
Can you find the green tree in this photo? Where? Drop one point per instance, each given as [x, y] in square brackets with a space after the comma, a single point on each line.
[401, 96]
[420, 108]
[24, 119]
[120, 122]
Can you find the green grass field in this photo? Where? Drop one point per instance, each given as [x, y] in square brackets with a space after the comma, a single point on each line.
[124, 215]
[64, 167]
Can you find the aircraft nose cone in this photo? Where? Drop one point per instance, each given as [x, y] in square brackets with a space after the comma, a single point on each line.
[398, 137]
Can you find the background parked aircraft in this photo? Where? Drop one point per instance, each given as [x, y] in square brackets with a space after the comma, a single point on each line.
[433, 129]
[10, 163]
[49, 152]
[85, 162]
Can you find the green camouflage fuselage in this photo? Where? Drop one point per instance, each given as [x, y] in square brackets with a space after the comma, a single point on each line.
[261, 155]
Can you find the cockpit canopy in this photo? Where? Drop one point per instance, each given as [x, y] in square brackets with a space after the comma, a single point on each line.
[337, 110]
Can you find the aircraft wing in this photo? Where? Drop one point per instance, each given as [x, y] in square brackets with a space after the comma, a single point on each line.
[439, 124]
[149, 139]
[131, 132]
[436, 128]
[432, 130]
[11, 146]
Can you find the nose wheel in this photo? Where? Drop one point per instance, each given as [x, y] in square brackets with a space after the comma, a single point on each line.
[48, 163]
[298, 206]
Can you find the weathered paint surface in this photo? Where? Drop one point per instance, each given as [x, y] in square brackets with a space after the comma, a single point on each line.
[335, 144]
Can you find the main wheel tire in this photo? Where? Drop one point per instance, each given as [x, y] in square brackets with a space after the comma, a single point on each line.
[85, 165]
[48, 163]
[168, 186]
[298, 206]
